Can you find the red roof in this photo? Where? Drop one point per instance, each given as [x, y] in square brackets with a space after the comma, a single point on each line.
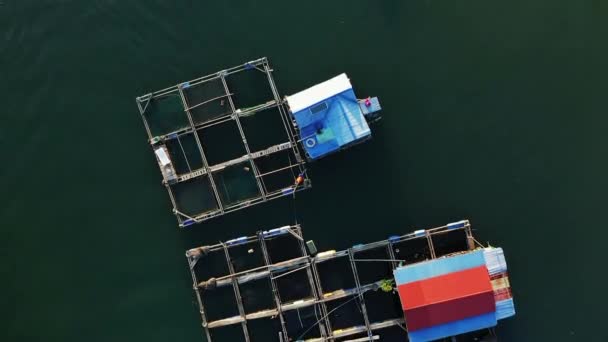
[445, 287]
[446, 298]
[449, 311]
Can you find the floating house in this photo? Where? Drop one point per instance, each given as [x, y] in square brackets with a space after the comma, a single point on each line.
[330, 117]
[274, 286]
[227, 141]
[455, 294]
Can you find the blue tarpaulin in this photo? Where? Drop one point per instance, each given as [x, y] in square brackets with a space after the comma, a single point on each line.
[505, 308]
[329, 117]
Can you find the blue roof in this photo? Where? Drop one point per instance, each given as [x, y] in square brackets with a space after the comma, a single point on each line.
[437, 267]
[332, 123]
[505, 308]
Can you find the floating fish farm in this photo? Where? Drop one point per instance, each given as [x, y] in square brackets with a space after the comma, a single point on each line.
[226, 141]
[426, 285]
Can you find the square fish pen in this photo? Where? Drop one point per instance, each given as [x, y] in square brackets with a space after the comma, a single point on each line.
[276, 291]
[223, 142]
[266, 279]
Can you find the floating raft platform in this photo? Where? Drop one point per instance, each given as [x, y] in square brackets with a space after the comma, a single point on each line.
[226, 141]
[269, 287]
[223, 142]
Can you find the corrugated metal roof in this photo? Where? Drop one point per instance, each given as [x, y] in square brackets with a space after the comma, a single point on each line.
[437, 267]
[495, 260]
[445, 287]
[318, 93]
[453, 328]
[505, 308]
[447, 296]
[337, 123]
[450, 311]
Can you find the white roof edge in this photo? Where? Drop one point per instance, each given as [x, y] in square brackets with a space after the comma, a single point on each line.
[318, 93]
[162, 156]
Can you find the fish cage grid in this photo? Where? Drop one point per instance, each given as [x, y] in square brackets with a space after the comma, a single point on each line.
[318, 300]
[178, 119]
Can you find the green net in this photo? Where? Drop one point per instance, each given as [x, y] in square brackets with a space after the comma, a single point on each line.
[207, 101]
[194, 197]
[166, 114]
[236, 183]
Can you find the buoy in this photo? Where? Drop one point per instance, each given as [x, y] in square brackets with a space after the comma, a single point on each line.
[368, 102]
[299, 179]
[311, 142]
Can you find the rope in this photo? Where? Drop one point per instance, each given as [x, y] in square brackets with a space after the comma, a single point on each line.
[143, 111]
[292, 271]
[300, 318]
[293, 175]
[477, 242]
[184, 153]
[291, 164]
[295, 210]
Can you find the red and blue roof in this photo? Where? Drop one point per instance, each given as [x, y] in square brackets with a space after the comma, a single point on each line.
[454, 295]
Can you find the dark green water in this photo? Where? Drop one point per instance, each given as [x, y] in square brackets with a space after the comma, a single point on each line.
[493, 111]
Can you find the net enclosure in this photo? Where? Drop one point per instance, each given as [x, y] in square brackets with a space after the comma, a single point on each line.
[223, 142]
[273, 286]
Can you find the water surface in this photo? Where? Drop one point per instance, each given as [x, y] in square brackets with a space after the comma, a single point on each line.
[493, 111]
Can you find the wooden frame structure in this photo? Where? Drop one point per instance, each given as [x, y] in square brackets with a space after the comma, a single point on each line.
[430, 243]
[185, 112]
